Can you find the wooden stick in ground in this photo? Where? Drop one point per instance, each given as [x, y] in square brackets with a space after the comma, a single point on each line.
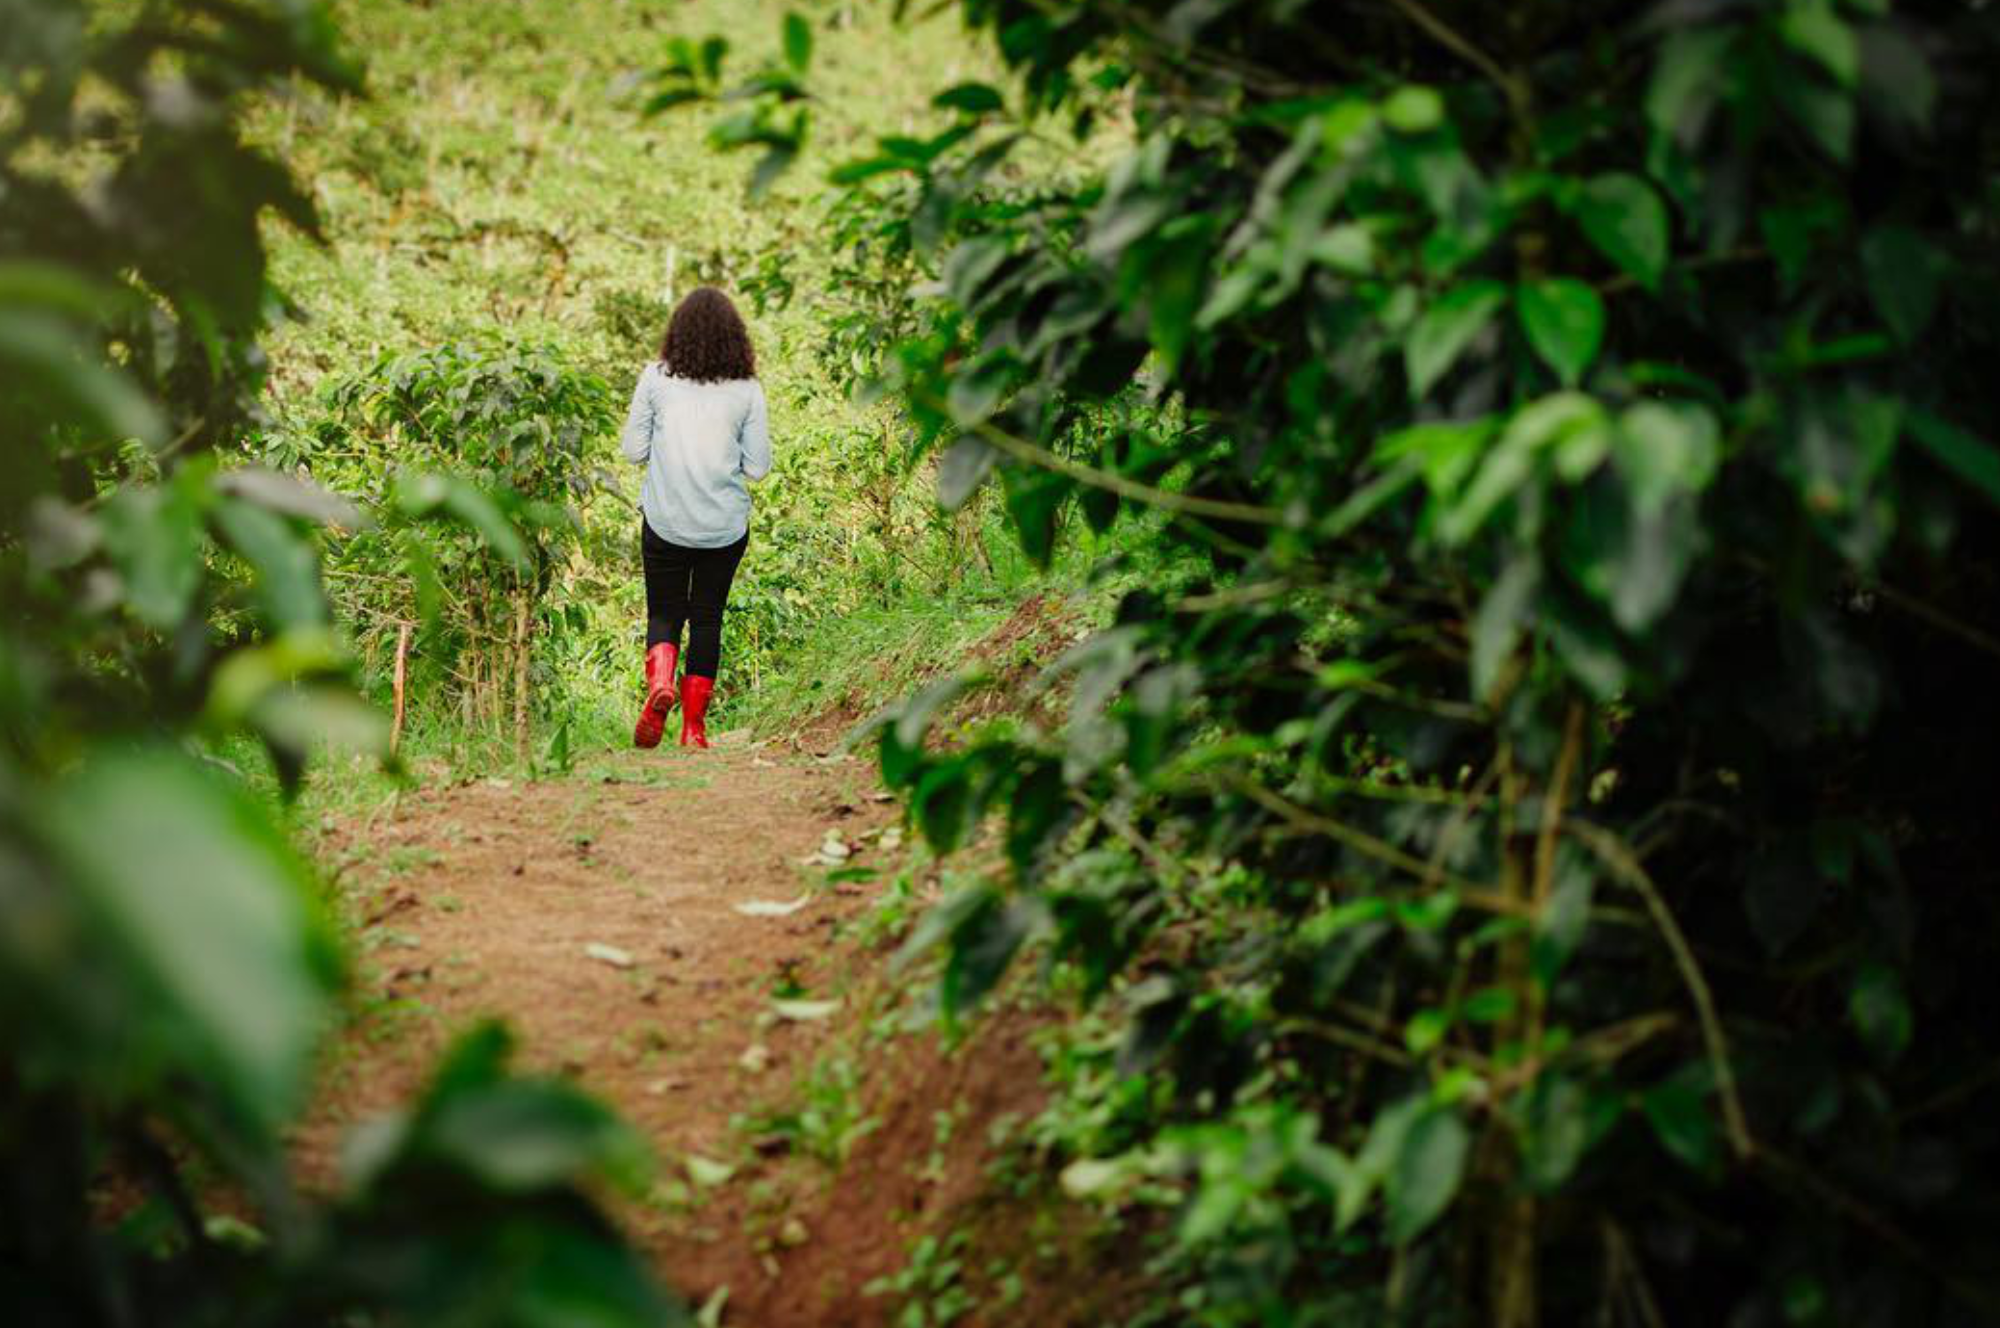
[402, 678]
[521, 675]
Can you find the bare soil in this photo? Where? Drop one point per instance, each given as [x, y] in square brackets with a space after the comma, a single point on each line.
[601, 917]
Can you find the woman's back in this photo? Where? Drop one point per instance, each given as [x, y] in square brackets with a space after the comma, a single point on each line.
[703, 444]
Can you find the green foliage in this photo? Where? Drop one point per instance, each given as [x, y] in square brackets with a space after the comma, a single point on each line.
[541, 221]
[1550, 887]
[926, 1289]
[166, 967]
[514, 424]
[828, 1117]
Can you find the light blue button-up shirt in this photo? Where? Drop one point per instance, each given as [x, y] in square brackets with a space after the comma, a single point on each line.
[703, 445]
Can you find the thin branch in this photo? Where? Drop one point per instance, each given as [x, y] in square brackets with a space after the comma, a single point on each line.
[158, 1166]
[1188, 504]
[187, 435]
[1150, 852]
[1347, 1037]
[1211, 536]
[159, 458]
[1618, 285]
[1623, 1269]
[1614, 1041]
[1452, 40]
[1459, 710]
[1952, 1096]
[1553, 802]
[1430, 705]
[1826, 1192]
[1611, 851]
[1922, 610]
[1234, 597]
[1252, 75]
[1469, 892]
[1603, 1046]
[1368, 788]
[1926, 612]
[1460, 819]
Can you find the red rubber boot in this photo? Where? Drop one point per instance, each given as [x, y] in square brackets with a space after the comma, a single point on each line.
[694, 706]
[661, 662]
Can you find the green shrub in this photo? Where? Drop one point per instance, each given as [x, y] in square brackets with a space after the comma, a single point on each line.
[166, 966]
[1546, 834]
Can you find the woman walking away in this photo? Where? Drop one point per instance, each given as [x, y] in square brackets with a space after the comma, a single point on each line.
[698, 425]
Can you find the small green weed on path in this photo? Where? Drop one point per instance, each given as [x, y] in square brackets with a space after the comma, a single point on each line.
[484, 899]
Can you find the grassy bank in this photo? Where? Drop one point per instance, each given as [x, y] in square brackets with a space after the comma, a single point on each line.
[501, 183]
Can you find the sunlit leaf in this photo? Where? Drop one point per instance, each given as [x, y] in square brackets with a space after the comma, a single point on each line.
[198, 908]
[798, 42]
[154, 538]
[962, 468]
[1625, 219]
[1814, 29]
[1445, 329]
[42, 349]
[290, 495]
[1664, 448]
[1413, 109]
[1564, 322]
[287, 565]
[1427, 1172]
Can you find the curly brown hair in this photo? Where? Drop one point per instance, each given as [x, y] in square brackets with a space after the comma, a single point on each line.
[706, 340]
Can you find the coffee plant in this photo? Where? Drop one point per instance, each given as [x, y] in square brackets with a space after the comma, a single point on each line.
[1530, 824]
[511, 421]
[168, 965]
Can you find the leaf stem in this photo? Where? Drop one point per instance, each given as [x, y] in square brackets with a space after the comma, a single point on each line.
[1458, 44]
[1188, 504]
[1469, 892]
[1611, 851]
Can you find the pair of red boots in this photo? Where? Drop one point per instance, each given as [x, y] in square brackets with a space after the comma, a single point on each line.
[693, 693]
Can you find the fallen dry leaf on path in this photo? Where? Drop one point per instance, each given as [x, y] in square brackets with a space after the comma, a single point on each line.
[804, 1011]
[769, 908]
[609, 954]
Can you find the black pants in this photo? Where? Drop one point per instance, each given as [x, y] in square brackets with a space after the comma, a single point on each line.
[688, 586]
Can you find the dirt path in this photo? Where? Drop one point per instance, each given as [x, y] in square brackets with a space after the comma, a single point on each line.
[602, 916]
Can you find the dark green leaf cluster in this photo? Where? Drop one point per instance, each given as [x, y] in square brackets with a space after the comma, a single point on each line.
[1545, 826]
[457, 550]
[167, 967]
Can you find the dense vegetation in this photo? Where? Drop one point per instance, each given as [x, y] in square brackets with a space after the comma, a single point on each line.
[167, 963]
[1529, 832]
[1514, 853]
[497, 191]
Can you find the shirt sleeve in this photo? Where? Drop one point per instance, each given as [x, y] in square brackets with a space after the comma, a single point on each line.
[637, 440]
[755, 436]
